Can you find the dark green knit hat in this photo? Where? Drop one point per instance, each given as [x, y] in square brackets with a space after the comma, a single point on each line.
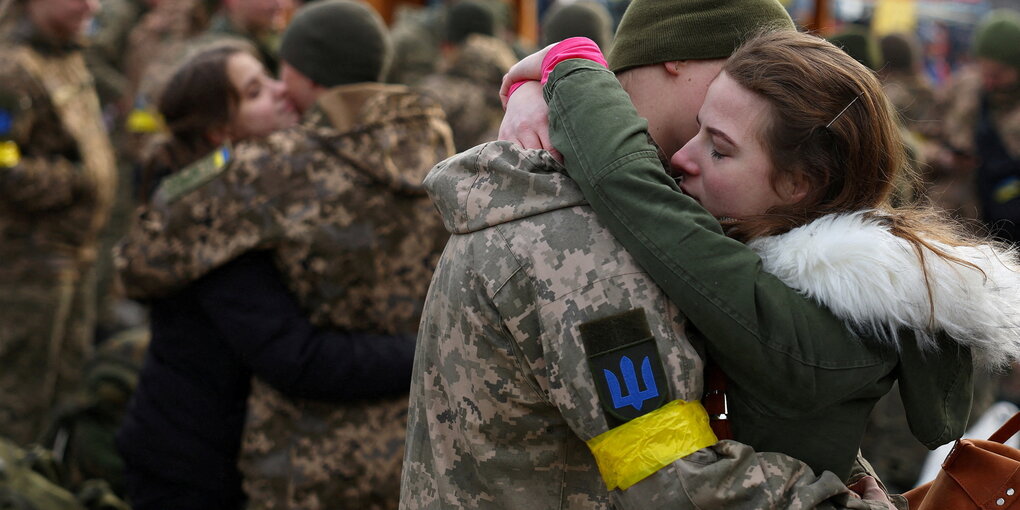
[335, 42]
[579, 19]
[656, 31]
[859, 44]
[998, 37]
[469, 17]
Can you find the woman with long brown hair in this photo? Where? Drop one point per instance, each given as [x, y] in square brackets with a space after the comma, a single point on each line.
[773, 232]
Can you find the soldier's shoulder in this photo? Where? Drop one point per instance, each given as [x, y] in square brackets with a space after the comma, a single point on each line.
[193, 176]
[18, 86]
[393, 103]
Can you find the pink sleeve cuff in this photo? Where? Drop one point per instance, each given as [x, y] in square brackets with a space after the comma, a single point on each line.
[516, 85]
[575, 47]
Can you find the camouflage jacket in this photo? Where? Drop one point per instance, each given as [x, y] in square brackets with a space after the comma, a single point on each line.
[502, 399]
[56, 196]
[339, 200]
[469, 90]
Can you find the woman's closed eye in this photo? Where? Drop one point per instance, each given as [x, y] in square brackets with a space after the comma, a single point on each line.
[717, 155]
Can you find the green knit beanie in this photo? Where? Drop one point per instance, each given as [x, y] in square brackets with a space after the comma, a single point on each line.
[335, 42]
[656, 31]
[469, 17]
[578, 19]
[858, 43]
[998, 37]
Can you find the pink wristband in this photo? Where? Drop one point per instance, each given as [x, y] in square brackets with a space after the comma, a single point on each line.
[516, 85]
[575, 47]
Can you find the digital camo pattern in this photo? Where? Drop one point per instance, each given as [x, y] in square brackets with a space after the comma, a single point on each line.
[469, 90]
[340, 201]
[502, 400]
[53, 204]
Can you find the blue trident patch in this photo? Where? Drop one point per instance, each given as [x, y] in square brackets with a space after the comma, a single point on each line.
[635, 397]
[615, 345]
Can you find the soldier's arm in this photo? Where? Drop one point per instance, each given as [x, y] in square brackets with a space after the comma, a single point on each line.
[254, 311]
[199, 219]
[38, 170]
[732, 475]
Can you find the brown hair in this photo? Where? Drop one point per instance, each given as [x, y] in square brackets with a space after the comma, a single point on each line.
[832, 127]
[197, 98]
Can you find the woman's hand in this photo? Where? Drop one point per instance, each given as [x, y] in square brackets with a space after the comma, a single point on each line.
[869, 489]
[530, 68]
[526, 121]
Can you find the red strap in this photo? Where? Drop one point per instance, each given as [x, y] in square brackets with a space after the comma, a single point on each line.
[715, 401]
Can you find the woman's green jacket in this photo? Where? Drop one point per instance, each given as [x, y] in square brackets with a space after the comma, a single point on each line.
[800, 381]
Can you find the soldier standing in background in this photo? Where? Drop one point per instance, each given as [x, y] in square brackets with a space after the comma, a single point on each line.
[256, 21]
[340, 203]
[108, 46]
[57, 181]
[904, 82]
[475, 62]
[585, 18]
[982, 123]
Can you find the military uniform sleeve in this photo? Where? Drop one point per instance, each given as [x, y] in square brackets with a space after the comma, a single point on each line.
[755, 326]
[732, 475]
[197, 224]
[39, 167]
[252, 308]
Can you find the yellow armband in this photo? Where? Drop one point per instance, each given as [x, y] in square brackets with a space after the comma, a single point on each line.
[144, 121]
[631, 452]
[9, 154]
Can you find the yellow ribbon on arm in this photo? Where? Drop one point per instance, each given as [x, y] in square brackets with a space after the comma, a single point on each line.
[635, 450]
[9, 154]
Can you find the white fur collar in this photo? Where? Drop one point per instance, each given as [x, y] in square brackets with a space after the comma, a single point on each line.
[870, 278]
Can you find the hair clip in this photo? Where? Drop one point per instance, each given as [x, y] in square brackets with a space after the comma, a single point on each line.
[851, 103]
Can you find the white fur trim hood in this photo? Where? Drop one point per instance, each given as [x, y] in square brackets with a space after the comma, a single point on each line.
[872, 279]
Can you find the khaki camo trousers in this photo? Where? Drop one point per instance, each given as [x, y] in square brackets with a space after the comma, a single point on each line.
[46, 330]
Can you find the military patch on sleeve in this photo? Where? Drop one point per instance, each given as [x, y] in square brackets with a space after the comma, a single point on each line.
[6, 121]
[625, 365]
[193, 176]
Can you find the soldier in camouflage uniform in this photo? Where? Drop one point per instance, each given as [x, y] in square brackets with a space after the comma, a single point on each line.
[57, 180]
[108, 46]
[502, 402]
[256, 21]
[339, 200]
[532, 299]
[468, 89]
[982, 124]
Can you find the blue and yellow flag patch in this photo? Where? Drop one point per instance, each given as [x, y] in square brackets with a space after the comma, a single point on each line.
[193, 176]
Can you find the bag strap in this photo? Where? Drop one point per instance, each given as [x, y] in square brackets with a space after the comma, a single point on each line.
[714, 400]
[1007, 430]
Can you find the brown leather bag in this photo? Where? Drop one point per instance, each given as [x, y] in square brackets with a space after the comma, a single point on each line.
[977, 474]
